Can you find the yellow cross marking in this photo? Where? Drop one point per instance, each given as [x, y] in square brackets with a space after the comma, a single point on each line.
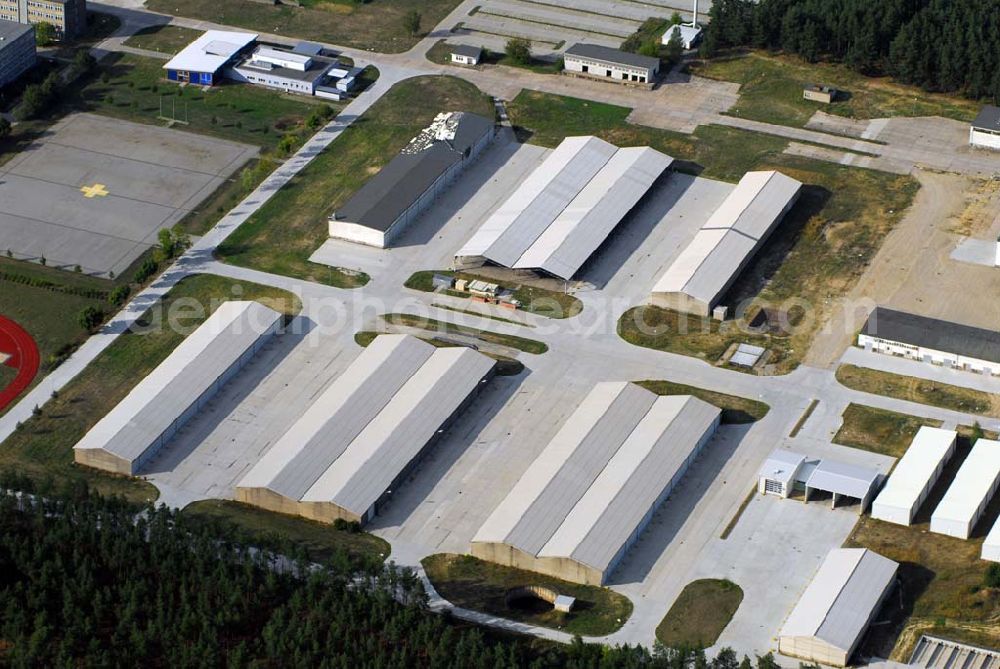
[97, 190]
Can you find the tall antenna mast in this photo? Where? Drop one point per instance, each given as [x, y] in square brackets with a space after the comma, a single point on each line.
[694, 17]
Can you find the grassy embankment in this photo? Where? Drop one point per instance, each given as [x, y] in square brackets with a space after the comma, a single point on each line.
[475, 584]
[534, 300]
[771, 91]
[700, 614]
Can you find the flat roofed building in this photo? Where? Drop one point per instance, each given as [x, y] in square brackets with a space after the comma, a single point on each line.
[364, 433]
[778, 474]
[566, 208]
[931, 340]
[202, 61]
[589, 495]
[143, 423]
[839, 604]
[914, 475]
[402, 190]
[700, 276]
[17, 50]
[68, 17]
[843, 480]
[284, 70]
[971, 491]
[985, 129]
[464, 54]
[602, 62]
[689, 35]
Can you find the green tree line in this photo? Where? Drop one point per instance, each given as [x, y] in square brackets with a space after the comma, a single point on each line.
[87, 581]
[940, 45]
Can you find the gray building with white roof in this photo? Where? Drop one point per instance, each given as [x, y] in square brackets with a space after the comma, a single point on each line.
[699, 277]
[144, 422]
[566, 208]
[587, 498]
[841, 601]
[362, 435]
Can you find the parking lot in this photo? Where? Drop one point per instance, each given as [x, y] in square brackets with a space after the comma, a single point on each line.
[555, 25]
[94, 191]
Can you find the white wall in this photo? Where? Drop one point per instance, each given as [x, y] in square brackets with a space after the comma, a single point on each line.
[984, 140]
[359, 234]
[599, 70]
[927, 355]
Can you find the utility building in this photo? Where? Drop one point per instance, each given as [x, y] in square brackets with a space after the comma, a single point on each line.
[173, 393]
[586, 499]
[971, 491]
[699, 277]
[566, 208]
[931, 340]
[392, 199]
[202, 61]
[841, 601]
[984, 132]
[785, 472]
[365, 432]
[603, 62]
[17, 50]
[914, 476]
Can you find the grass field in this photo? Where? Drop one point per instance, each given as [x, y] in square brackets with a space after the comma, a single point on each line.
[475, 584]
[290, 535]
[440, 53]
[42, 447]
[282, 235]
[941, 579]
[878, 430]
[734, 409]
[164, 39]
[539, 301]
[133, 88]
[817, 254]
[376, 25]
[771, 91]
[913, 389]
[441, 327]
[701, 612]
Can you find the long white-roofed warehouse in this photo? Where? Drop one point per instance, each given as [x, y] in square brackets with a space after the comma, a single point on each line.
[970, 492]
[566, 208]
[841, 601]
[589, 495]
[914, 475]
[364, 433]
[159, 405]
[699, 277]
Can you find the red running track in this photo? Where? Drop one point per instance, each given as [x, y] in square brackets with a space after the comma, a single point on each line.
[23, 352]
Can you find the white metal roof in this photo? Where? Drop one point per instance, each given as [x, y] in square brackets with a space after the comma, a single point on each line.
[210, 51]
[973, 484]
[782, 465]
[929, 448]
[843, 479]
[568, 206]
[158, 400]
[839, 600]
[587, 492]
[364, 430]
[705, 267]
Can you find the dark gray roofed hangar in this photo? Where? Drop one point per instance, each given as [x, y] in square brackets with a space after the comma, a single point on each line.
[932, 333]
[381, 209]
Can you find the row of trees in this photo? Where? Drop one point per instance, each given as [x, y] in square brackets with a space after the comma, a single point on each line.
[941, 45]
[86, 582]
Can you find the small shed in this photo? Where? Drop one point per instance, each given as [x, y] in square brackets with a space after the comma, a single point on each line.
[689, 35]
[985, 130]
[819, 93]
[464, 54]
[442, 282]
[778, 475]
